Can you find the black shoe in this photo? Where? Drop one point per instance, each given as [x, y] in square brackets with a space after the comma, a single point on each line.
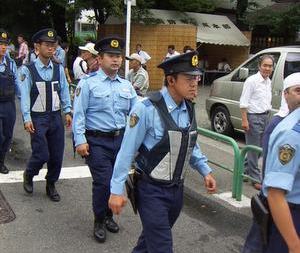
[111, 225]
[4, 169]
[99, 231]
[52, 192]
[27, 183]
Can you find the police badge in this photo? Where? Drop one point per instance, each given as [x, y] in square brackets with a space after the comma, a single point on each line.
[134, 119]
[286, 153]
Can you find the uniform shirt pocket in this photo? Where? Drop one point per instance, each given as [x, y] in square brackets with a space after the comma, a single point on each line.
[101, 99]
[123, 101]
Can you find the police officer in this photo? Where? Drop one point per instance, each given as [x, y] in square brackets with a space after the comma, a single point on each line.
[281, 184]
[8, 89]
[44, 93]
[102, 102]
[162, 128]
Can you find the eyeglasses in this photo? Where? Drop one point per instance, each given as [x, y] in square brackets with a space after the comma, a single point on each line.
[190, 78]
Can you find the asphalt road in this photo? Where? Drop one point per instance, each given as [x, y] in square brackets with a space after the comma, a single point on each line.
[206, 224]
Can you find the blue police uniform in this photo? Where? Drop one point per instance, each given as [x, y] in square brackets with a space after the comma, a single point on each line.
[101, 107]
[60, 55]
[283, 172]
[254, 241]
[8, 90]
[164, 134]
[44, 93]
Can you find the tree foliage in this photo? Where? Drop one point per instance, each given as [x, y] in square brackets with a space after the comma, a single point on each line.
[284, 22]
[186, 5]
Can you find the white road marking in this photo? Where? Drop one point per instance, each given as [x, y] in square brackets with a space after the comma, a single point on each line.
[227, 197]
[84, 172]
[66, 173]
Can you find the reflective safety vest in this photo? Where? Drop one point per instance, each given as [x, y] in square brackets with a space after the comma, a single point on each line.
[44, 95]
[7, 83]
[166, 163]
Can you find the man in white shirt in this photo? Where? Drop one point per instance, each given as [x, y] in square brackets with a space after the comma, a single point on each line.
[255, 104]
[80, 66]
[137, 75]
[144, 55]
[171, 52]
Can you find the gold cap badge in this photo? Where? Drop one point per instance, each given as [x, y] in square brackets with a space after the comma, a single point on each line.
[114, 43]
[195, 60]
[50, 34]
[4, 35]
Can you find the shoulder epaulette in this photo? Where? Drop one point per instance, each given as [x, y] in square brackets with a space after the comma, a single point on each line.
[89, 75]
[147, 102]
[296, 127]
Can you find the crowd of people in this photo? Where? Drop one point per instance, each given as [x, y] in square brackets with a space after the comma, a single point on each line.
[116, 127]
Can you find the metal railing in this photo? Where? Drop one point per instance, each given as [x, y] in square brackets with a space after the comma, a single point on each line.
[239, 158]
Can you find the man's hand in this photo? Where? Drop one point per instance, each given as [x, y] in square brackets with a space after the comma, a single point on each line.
[116, 203]
[210, 184]
[68, 120]
[28, 126]
[245, 125]
[83, 149]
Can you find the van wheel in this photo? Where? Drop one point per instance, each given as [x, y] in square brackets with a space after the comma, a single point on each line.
[220, 121]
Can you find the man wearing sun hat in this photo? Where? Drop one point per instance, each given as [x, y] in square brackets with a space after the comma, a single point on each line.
[137, 75]
[8, 90]
[82, 63]
[102, 103]
[162, 129]
[44, 97]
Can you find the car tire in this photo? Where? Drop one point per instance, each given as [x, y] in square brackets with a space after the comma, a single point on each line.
[220, 121]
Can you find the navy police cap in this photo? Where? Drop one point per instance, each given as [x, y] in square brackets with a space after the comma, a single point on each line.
[111, 44]
[47, 35]
[185, 63]
[3, 36]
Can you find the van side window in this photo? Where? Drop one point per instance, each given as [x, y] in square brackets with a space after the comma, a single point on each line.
[292, 64]
[252, 66]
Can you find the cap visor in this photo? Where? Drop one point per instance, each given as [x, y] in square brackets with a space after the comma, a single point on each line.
[193, 73]
[112, 51]
[83, 48]
[128, 58]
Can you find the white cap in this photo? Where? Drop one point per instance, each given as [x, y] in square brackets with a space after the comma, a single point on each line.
[289, 81]
[135, 56]
[90, 48]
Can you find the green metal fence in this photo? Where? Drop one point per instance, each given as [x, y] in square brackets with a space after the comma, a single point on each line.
[239, 158]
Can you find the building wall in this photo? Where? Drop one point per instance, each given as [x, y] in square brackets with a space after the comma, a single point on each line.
[155, 40]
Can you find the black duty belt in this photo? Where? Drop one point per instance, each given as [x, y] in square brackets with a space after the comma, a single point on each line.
[98, 133]
[259, 113]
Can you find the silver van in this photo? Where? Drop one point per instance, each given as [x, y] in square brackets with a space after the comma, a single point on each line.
[222, 106]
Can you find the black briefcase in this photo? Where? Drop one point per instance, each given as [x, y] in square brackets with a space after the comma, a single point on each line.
[131, 189]
[261, 214]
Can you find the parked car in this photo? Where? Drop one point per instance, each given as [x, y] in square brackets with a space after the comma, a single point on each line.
[222, 106]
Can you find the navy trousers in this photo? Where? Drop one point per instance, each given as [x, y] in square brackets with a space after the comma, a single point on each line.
[47, 144]
[276, 242]
[7, 122]
[103, 152]
[159, 208]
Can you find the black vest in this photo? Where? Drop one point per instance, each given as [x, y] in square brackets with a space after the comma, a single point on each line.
[7, 83]
[44, 95]
[167, 161]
